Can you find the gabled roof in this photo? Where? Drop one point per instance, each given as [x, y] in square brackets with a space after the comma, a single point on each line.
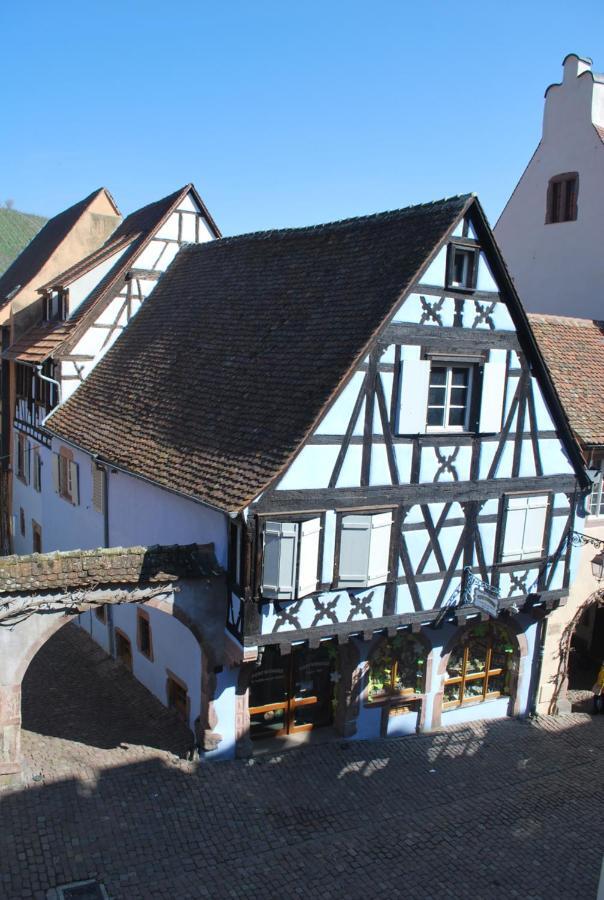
[215, 385]
[40, 249]
[574, 354]
[134, 233]
[225, 369]
[16, 231]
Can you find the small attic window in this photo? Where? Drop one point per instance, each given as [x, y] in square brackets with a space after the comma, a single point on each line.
[462, 267]
[562, 193]
[54, 306]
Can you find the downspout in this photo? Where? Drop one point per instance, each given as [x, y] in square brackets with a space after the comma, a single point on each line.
[50, 380]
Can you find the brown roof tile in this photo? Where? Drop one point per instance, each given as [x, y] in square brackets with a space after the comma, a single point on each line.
[574, 354]
[216, 382]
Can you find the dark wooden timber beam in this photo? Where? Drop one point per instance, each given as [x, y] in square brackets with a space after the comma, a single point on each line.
[446, 339]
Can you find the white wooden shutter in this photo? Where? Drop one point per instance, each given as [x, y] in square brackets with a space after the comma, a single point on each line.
[98, 488]
[534, 528]
[413, 396]
[524, 527]
[74, 482]
[310, 535]
[379, 549]
[355, 541]
[56, 478]
[279, 564]
[491, 403]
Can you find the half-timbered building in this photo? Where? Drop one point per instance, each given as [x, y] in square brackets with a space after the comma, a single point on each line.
[358, 417]
[82, 312]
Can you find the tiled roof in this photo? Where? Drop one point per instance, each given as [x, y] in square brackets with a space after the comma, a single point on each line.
[218, 379]
[40, 249]
[16, 231]
[78, 569]
[134, 232]
[574, 354]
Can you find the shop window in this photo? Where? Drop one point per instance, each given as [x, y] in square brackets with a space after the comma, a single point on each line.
[143, 633]
[290, 559]
[562, 195]
[524, 527]
[480, 666]
[397, 669]
[364, 550]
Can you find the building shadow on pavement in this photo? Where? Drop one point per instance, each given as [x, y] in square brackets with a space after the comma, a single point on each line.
[74, 691]
[488, 810]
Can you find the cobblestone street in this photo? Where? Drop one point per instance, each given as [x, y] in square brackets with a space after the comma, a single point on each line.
[491, 810]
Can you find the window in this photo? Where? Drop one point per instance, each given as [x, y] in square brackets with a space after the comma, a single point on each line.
[36, 469]
[397, 668]
[36, 531]
[479, 667]
[364, 554]
[123, 649]
[42, 389]
[178, 697]
[65, 474]
[54, 306]
[595, 501]
[462, 267]
[524, 527]
[24, 381]
[22, 521]
[291, 559]
[22, 454]
[449, 398]
[562, 193]
[143, 633]
[101, 614]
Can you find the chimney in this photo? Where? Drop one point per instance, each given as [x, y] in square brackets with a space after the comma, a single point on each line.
[574, 66]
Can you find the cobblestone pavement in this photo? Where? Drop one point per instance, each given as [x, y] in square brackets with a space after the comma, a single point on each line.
[491, 810]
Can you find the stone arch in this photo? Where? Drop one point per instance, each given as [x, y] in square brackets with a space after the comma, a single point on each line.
[559, 700]
[516, 632]
[19, 646]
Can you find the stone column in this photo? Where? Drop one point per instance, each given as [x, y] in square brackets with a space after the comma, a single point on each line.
[10, 734]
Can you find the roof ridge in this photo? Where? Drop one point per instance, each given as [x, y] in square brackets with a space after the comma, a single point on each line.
[271, 232]
[557, 317]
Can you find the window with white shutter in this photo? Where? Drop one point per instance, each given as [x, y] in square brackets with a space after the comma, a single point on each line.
[291, 559]
[65, 476]
[364, 549]
[414, 385]
[524, 530]
[493, 392]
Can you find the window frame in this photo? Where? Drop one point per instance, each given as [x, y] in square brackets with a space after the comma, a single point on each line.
[265, 591]
[339, 582]
[597, 491]
[142, 616]
[22, 467]
[562, 204]
[449, 365]
[485, 675]
[391, 694]
[472, 252]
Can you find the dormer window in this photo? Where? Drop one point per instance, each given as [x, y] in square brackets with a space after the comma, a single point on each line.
[54, 306]
[562, 193]
[462, 267]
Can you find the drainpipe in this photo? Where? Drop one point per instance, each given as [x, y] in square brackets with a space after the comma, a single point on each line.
[50, 380]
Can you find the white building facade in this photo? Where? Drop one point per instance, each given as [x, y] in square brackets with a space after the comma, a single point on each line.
[549, 231]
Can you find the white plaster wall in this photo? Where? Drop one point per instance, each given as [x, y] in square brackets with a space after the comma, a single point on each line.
[174, 648]
[559, 268]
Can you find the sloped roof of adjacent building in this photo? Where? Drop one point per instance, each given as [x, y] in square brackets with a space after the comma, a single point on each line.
[574, 354]
[16, 231]
[39, 250]
[137, 229]
[230, 364]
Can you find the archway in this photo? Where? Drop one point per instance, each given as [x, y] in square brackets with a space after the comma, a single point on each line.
[580, 654]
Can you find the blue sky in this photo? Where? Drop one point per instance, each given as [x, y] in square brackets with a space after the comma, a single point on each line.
[281, 113]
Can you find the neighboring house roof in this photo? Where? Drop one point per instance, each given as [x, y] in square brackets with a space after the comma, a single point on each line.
[81, 569]
[16, 231]
[574, 354]
[220, 376]
[133, 233]
[39, 250]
